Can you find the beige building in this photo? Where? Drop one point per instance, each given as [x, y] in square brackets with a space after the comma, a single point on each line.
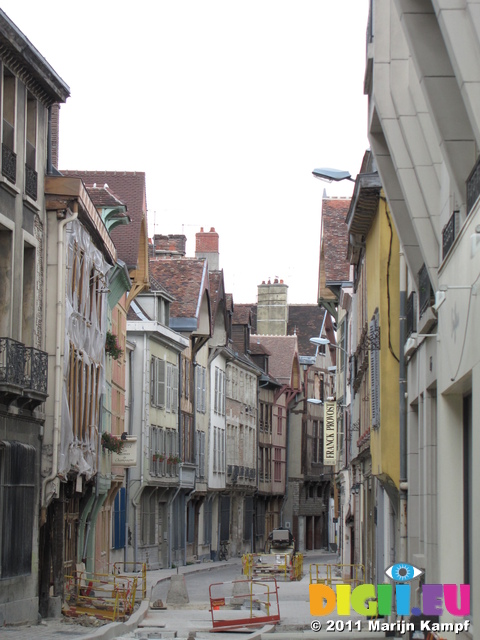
[423, 81]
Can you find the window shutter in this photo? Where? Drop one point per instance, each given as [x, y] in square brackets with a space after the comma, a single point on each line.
[160, 382]
[174, 389]
[153, 388]
[374, 372]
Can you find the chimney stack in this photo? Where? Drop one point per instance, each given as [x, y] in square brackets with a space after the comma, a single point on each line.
[272, 308]
[169, 246]
[206, 246]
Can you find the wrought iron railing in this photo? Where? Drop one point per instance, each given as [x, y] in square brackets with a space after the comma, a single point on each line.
[12, 362]
[411, 315]
[425, 292]
[473, 186]
[31, 182]
[36, 370]
[449, 233]
[9, 163]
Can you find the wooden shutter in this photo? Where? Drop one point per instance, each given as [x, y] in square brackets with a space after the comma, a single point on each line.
[160, 382]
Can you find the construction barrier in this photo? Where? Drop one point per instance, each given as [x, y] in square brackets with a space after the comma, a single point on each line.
[244, 604]
[135, 570]
[331, 574]
[103, 596]
[279, 565]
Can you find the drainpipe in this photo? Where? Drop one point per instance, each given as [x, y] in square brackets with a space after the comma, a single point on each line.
[142, 429]
[403, 415]
[58, 357]
[127, 470]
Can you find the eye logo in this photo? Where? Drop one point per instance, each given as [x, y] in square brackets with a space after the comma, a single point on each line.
[403, 572]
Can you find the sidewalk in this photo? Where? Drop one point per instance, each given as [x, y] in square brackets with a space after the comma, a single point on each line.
[182, 620]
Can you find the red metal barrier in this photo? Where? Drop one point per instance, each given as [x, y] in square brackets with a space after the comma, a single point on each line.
[244, 603]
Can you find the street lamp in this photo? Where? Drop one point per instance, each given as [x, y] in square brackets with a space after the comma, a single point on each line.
[325, 341]
[332, 175]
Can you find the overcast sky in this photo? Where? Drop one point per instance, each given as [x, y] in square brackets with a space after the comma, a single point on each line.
[226, 105]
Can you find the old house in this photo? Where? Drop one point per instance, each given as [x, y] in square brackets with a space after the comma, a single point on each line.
[30, 93]
[190, 316]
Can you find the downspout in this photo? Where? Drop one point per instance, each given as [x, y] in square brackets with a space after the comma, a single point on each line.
[58, 357]
[127, 470]
[403, 415]
[142, 429]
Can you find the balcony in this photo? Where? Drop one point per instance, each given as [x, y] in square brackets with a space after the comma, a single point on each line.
[449, 233]
[9, 163]
[411, 315]
[473, 186]
[31, 181]
[23, 374]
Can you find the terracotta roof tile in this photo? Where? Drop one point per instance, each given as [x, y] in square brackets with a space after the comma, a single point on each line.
[185, 278]
[130, 187]
[335, 239]
[284, 352]
[242, 314]
[305, 320]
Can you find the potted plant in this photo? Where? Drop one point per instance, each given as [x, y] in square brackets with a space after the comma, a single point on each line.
[112, 443]
[112, 348]
[173, 459]
[158, 457]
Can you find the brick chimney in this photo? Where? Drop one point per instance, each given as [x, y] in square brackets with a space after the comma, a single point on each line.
[169, 246]
[272, 308]
[206, 246]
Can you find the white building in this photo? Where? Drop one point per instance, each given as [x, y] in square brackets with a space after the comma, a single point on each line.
[423, 81]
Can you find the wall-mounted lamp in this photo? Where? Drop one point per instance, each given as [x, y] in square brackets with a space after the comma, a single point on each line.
[331, 175]
[325, 341]
[441, 294]
[314, 401]
[356, 488]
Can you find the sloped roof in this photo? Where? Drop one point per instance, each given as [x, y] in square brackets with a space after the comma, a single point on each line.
[335, 239]
[305, 320]
[217, 291]
[130, 188]
[283, 353]
[242, 314]
[187, 277]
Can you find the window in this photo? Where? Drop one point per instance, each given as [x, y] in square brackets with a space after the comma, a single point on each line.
[219, 400]
[200, 454]
[317, 441]
[280, 421]
[9, 157]
[157, 382]
[17, 500]
[185, 377]
[266, 417]
[187, 438]
[157, 451]
[277, 465]
[31, 147]
[83, 393]
[201, 385]
[119, 519]
[171, 403]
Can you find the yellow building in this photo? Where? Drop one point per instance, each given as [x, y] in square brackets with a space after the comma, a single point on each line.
[374, 430]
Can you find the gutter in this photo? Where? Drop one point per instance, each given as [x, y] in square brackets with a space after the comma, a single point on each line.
[60, 323]
[403, 414]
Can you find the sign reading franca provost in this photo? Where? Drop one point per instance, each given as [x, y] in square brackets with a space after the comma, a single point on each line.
[330, 434]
